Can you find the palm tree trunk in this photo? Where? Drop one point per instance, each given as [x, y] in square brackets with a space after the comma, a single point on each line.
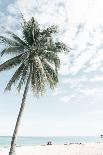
[14, 137]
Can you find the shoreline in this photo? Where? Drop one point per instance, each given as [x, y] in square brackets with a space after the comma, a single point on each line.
[70, 149]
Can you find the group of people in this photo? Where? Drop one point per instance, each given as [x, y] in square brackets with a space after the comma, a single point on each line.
[49, 143]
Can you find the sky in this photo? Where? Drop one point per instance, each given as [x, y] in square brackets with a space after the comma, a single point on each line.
[75, 107]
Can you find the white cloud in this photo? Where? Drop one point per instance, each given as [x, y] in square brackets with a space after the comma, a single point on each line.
[98, 57]
[88, 14]
[80, 61]
[74, 80]
[97, 78]
[66, 98]
[44, 11]
[88, 91]
[91, 91]
[101, 69]
[64, 69]
[57, 91]
[92, 67]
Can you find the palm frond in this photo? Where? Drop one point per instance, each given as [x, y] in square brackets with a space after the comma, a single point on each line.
[50, 30]
[51, 57]
[61, 47]
[12, 50]
[11, 63]
[8, 41]
[17, 38]
[38, 81]
[15, 77]
[52, 79]
[23, 79]
[51, 74]
[38, 77]
[31, 31]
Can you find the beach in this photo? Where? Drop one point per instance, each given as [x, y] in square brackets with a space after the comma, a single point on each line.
[70, 149]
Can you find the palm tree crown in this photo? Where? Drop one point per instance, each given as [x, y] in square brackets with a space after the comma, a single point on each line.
[36, 54]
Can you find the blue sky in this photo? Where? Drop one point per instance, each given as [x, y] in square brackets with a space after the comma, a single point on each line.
[75, 107]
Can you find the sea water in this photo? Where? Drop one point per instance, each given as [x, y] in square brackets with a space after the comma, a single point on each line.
[27, 141]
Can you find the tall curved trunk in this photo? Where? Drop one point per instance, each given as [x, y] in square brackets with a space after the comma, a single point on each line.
[14, 137]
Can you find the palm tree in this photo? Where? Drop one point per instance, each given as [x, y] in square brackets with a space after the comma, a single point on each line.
[36, 60]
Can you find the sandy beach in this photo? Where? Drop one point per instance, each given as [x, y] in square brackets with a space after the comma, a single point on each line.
[70, 149]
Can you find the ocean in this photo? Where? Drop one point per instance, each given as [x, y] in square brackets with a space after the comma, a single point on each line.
[27, 141]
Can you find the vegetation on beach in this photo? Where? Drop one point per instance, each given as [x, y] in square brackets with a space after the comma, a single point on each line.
[35, 56]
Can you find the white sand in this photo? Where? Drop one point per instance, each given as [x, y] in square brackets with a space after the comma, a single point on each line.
[73, 149]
